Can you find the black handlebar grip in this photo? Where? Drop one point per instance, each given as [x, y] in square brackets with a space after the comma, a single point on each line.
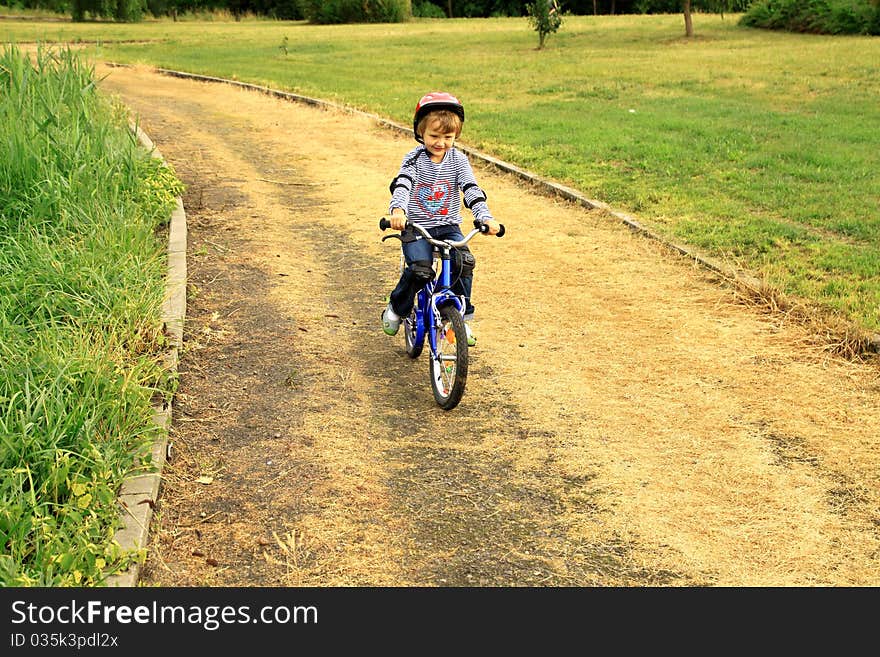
[384, 223]
[485, 229]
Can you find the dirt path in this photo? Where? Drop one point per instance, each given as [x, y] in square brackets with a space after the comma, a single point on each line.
[627, 420]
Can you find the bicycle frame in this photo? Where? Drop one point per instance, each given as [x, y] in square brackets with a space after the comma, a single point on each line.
[435, 293]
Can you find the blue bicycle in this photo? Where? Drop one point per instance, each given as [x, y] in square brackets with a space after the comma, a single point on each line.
[438, 314]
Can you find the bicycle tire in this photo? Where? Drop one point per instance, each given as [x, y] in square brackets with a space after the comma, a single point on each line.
[448, 367]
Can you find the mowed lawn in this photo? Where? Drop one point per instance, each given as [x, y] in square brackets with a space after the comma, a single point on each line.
[759, 148]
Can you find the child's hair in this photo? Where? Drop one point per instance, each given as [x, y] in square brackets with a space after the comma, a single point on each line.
[449, 122]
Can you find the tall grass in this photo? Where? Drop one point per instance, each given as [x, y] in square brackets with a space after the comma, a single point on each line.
[82, 272]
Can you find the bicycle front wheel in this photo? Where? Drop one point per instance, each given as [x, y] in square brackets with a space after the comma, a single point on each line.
[449, 364]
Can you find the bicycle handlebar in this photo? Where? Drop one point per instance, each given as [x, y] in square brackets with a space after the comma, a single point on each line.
[479, 227]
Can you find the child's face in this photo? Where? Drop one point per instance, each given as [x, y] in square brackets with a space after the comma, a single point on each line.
[437, 141]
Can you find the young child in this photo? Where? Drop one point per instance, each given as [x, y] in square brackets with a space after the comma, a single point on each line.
[433, 180]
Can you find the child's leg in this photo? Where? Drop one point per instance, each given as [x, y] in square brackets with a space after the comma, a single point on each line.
[464, 279]
[463, 286]
[467, 284]
[417, 272]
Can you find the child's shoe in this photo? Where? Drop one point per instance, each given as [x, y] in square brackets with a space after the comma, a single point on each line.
[389, 325]
[471, 338]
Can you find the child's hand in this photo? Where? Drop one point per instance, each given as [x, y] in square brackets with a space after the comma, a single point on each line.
[493, 225]
[398, 221]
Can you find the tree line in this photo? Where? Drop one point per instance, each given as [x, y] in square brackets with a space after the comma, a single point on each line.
[817, 16]
[359, 10]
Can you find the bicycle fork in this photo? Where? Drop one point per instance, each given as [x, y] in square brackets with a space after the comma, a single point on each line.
[442, 295]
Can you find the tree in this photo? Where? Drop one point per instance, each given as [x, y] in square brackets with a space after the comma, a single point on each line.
[687, 7]
[545, 17]
[688, 21]
[715, 6]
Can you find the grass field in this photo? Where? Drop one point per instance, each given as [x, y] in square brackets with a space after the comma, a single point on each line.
[760, 148]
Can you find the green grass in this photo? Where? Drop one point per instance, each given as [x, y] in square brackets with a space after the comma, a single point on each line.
[760, 148]
[82, 271]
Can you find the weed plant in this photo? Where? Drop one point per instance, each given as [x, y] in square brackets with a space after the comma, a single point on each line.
[82, 271]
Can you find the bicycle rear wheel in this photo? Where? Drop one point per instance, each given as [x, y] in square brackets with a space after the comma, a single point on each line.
[415, 339]
[449, 365]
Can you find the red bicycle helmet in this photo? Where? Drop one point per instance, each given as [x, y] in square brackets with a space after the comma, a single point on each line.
[436, 100]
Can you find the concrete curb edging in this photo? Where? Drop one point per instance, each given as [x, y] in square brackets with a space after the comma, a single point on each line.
[138, 494]
[569, 194]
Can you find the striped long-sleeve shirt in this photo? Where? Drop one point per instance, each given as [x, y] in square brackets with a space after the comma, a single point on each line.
[431, 193]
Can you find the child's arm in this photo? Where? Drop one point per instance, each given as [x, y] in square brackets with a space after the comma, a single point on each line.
[401, 189]
[475, 199]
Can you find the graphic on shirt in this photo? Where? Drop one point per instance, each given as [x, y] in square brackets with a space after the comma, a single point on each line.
[434, 199]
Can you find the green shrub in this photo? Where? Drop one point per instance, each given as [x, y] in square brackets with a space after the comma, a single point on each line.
[124, 11]
[426, 9]
[815, 16]
[874, 23]
[355, 11]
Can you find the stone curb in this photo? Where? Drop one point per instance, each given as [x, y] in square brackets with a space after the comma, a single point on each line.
[138, 494]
